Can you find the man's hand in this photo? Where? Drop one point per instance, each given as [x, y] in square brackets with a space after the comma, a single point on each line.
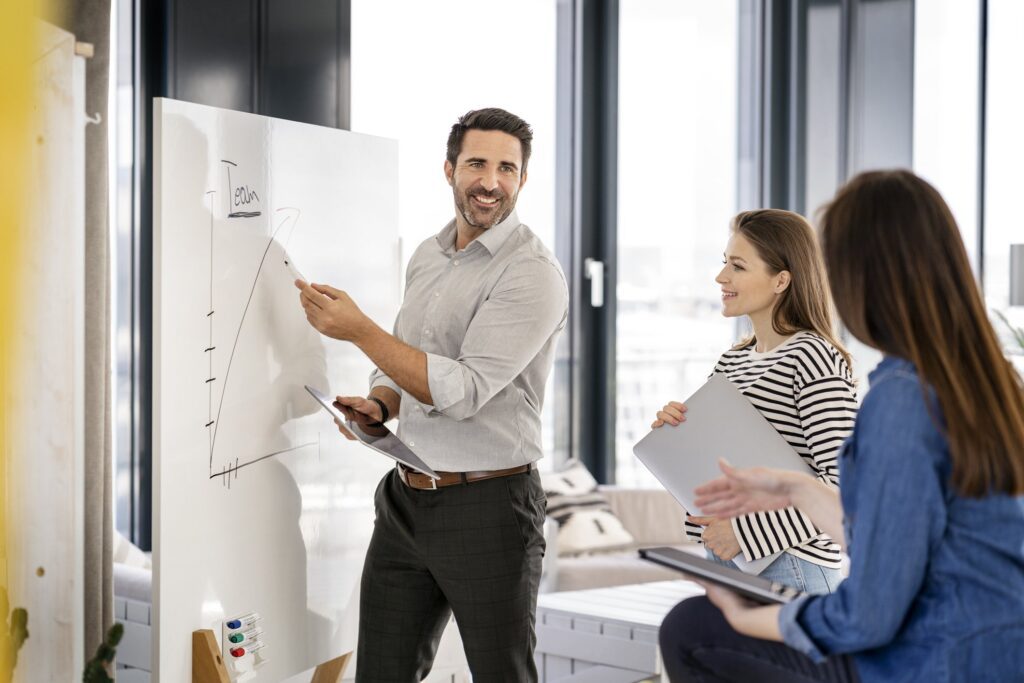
[718, 536]
[362, 411]
[332, 312]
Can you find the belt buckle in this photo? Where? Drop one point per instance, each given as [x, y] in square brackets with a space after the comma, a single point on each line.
[433, 482]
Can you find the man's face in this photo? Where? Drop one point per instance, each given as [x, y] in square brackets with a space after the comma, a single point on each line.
[486, 177]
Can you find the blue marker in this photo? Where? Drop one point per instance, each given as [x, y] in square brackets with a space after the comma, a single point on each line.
[245, 620]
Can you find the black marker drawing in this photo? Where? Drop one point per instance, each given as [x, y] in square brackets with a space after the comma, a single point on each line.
[240, 196]
[228, 471]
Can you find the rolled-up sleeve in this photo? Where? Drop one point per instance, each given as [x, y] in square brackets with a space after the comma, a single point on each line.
[377, 376]
[793, 633]
[527, 305]
[379, 379]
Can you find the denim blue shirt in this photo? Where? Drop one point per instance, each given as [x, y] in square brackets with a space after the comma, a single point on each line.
[936, 585]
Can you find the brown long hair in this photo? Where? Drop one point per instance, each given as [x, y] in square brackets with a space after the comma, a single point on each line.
[786, 241]
[903, 284]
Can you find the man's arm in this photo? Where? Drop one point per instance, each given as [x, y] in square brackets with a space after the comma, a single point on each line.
[528, 304]
[404, 364]
[333, 313]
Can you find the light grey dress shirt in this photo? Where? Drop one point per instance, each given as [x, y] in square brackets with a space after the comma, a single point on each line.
[488, 318]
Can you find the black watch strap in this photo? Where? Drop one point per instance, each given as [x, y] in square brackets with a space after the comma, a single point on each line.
[384, 417]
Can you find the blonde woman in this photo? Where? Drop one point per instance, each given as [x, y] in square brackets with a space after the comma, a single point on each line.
[798, 376]
[932, 505]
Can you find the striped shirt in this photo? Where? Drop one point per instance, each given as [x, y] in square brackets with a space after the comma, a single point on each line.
[804, 388]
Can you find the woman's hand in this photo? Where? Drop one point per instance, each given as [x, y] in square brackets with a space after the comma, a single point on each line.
[742, 491]
[718, 536]
[754, 489]
[673, 413]
[746, 617]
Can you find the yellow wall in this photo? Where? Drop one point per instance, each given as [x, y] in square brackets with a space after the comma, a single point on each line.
[17, 36]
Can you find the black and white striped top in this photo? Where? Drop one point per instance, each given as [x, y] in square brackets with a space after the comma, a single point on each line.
[805, 389]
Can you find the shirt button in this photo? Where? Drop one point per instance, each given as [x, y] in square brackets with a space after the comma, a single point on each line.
[437, 293]
[455, 262]
[411, 444]
[426, 332]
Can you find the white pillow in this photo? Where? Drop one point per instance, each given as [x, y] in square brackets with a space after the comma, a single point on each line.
[585, 520]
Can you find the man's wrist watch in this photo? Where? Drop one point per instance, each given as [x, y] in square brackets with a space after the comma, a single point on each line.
[383, 412]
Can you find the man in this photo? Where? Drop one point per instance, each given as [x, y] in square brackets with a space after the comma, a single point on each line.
[466, 367]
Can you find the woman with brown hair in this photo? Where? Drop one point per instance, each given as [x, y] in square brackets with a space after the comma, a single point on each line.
[797, 375]
[931, 506]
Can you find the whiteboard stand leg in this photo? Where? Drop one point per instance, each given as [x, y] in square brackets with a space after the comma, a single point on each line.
[207, 665]
[330, 672]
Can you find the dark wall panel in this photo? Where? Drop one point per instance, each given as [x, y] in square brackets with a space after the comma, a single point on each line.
[213, 57]
[305, 62]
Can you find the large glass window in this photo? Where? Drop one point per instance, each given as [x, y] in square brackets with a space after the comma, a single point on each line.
[1004, 150]
[413, 77]
[946, 107]
[677, 193]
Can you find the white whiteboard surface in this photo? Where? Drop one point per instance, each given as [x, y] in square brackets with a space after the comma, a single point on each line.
[259, 504]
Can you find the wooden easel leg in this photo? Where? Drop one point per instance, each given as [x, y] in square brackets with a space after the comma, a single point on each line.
[330, 672]
[207, 665]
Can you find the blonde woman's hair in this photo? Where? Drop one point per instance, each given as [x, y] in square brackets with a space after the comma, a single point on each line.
[786, 241]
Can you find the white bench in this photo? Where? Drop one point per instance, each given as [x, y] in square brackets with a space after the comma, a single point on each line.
[605, 635]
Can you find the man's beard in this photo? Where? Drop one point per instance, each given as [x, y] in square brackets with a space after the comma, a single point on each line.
[472, 216]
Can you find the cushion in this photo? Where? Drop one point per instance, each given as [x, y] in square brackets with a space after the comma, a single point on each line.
[585, 520]
[127, 553]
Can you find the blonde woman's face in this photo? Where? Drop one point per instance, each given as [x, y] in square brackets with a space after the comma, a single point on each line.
[748, 288]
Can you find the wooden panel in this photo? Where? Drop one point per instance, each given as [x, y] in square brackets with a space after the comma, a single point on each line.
[332, 671]
[44, 397]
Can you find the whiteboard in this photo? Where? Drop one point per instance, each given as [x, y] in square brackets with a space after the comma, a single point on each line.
[259, 504]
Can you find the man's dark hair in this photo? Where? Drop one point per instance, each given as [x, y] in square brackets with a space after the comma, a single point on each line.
[490, 119]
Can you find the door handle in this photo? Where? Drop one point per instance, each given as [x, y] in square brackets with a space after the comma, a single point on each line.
[593, 270]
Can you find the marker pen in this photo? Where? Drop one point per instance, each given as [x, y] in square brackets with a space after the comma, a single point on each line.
[244, 620]
[247, 650]
[293, 270]
[245, 636]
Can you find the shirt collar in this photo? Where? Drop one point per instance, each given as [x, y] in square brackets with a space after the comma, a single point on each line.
[889, 364]
[492, 239]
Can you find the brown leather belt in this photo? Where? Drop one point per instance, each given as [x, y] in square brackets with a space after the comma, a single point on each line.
[417, 480]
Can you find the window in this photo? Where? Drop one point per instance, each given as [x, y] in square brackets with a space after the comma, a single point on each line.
[677, 194]
[456, 55]
[1004, 150]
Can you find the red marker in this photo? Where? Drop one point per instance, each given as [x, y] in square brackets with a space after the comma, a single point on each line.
[248, 649]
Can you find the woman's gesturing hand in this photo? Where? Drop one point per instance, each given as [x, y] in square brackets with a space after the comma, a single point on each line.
[742, 491]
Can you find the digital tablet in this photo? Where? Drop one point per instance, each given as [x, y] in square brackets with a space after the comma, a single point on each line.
[720, 423]
[389, 444]
[755, 588]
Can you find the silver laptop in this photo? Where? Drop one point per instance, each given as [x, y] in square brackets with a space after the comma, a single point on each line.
[720, 423]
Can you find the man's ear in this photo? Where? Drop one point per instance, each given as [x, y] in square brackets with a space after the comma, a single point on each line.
[782, 281]
[522, 180]
[449, 172]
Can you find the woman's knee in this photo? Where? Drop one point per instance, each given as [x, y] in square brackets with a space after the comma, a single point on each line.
[690, 622]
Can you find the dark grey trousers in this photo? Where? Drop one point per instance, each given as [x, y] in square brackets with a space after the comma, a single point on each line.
[474, 550]
[699, 646]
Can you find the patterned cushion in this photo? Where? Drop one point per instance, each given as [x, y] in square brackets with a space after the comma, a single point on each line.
[585, 520]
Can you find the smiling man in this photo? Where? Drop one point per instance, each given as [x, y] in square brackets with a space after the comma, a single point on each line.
[465, 369]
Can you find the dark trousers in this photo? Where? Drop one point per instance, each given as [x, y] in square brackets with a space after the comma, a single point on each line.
[474, 550]
[699, 645]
